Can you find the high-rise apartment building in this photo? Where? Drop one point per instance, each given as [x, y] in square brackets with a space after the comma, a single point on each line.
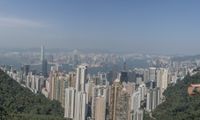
[146, 75]
[81, 97]
[114, 95]
[80, 106]
[142, 91]
[162, 80]
[135, 102]
[69, 102]
[53, 76]
[99, 93]
[152, 73]
[57, 84]
[100, 108]
[138, 115]
[153, 99]
[72, 79]
[123, 106]
[119, 107]
[81, 75]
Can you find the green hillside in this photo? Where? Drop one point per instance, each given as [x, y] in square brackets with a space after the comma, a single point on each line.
[179, 105]
[19, 103]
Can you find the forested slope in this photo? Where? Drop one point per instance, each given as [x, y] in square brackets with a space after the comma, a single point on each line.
[179, 105]
[19, 103]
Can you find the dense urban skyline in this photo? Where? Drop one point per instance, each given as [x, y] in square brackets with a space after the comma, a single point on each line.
[99, 60]
[164, 27]
[118, 94]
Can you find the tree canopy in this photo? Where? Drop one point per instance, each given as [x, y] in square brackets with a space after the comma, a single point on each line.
[19, 103]
[179, 105]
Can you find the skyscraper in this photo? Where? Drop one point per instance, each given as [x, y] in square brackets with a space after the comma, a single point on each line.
[44, 62]
[123, 106]
[124, 76]
[152, 73]
[162, 80]
[146, 75]
[153, 99]
[44, 68]
[81, 95]
[156, 98]
[72, 79]
[42, 53]
[100, 108]
[99, 96]
[80, 106]
[81, 75]
[26, 69]
[158, 77]
[138, 115]
[142, 91]
[119, 106]
[114, 95]
[69, 102]
[149, 100]
[135, 102]
[53, 77]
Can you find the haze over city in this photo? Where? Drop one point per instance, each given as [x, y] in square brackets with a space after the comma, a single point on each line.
[161, 27]
[99, 60]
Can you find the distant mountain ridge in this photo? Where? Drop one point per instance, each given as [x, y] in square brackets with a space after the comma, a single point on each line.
[19, 103]
[185, 58]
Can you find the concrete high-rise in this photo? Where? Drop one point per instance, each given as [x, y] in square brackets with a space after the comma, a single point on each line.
[89, 90]
[153, 99]
[149, 100]
[156, 98]
[53, 76]
[100, 108]
[81, 96]
[138, 115]
[146, 75]
[81, 75]
[72, 79]
[44, 68]
[58, 84]
[80, 106]
[26, 69]
[142, 90]
[135, 101]
[69, 102]
[44, 62]
[98, 94]
[114, 95]
[42, 54]
[158, 77]
[152, 73]
[119, 103]
[162, 80]
[124, 76]
[123, 106]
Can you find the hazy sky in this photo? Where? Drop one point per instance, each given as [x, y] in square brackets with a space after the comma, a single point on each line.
[146, 26]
